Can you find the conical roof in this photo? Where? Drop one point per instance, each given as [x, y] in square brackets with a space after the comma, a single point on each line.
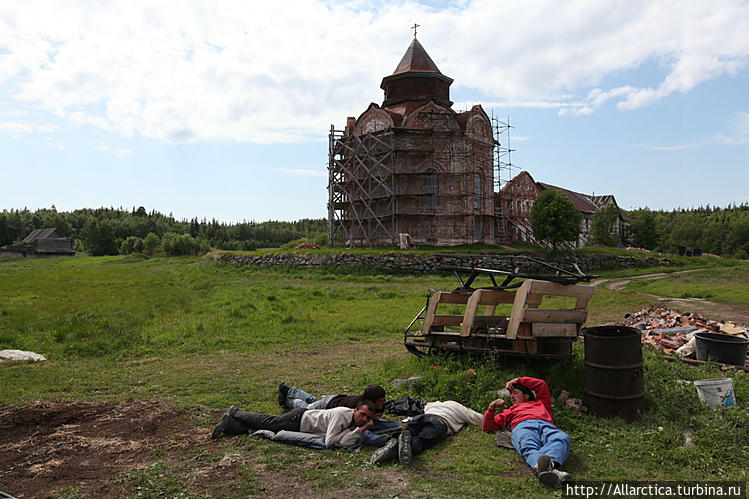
[415, 81]
[416, 59]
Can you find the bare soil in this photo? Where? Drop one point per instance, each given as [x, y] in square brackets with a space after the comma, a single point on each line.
[52, 445]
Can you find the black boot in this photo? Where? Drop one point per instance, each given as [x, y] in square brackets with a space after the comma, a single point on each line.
[283, 391]
[230, 425]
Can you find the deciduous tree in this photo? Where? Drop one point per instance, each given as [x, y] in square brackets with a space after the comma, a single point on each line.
[554, 218]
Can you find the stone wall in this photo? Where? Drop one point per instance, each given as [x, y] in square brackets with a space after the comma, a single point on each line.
[422, 263]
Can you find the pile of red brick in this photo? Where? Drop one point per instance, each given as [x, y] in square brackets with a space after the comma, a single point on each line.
[671, 330]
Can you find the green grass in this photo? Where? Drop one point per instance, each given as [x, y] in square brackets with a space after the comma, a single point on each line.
[724, 285]
[203, 336]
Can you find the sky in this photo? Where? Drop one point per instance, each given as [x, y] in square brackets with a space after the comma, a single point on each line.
[222, 109]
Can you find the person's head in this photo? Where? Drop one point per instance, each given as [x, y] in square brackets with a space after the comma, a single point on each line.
[376, 395]
[364, 413]
[520, 394]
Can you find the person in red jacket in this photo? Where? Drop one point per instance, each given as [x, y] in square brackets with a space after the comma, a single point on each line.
[543, 446]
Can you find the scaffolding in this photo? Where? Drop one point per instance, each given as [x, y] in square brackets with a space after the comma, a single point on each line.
[503, 173]
[361, 188]
[379, 184]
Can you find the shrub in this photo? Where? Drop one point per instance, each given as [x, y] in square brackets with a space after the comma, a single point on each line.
[132, 244]
[179, 244]
[151, 243]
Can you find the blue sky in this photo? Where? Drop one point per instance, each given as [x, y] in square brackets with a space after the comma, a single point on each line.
[222, 110]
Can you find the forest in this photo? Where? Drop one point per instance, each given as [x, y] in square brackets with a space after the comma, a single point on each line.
[111, 231]
[719, 231]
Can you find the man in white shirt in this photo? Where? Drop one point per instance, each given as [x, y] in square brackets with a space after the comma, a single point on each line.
[439, 420]
[342, 427]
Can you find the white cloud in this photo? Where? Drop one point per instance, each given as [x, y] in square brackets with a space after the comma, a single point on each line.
[301, 172]
[671, 148]
[739, 134]
[16, 127]
[182, 71]
[119, 152]
[62, 147]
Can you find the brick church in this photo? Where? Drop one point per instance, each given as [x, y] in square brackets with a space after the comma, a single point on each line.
[413, 165]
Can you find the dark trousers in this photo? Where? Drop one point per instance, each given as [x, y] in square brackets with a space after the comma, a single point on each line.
[427, 430]
[244, 421]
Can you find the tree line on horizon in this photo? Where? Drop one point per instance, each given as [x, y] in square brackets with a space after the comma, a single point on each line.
[111, 231]
[719, 231]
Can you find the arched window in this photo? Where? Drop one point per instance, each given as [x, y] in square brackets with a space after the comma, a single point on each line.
[431, 188]
[476, 191]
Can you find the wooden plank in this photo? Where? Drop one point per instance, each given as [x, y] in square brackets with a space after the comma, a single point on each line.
[549, 315]
[541, 329]
[431, 308]
[533, 300]
[582, 303]
[447, 320]
[489, 297]
[524, 346]
[446, 297]
[517, 309]
[437, 334]
[556, 289]
[473, 303]
[524, 331]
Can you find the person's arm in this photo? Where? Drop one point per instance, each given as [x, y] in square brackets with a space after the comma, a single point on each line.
[538, 386]
[473, 417]
[339, 432]
[493, 421]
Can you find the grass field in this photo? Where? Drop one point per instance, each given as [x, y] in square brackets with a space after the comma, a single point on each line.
[201, 336]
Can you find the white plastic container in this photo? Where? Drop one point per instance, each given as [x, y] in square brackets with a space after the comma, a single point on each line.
[716, 392]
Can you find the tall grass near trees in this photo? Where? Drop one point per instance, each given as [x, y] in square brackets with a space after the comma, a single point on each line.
[203, 336]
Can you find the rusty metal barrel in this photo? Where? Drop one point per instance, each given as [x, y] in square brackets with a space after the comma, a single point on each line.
[614, 380]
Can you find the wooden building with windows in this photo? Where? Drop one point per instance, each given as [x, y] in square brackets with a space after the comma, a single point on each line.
[40, 243]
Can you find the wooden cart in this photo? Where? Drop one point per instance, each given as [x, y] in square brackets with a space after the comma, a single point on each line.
[529, 330]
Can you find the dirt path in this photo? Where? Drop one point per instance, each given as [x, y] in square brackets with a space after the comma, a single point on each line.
[710, 309]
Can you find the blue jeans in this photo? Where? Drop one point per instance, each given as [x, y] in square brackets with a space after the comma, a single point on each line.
[535, 437]
[383, 426]
[298, 398]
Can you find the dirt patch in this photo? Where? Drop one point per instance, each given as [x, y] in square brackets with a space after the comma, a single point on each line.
[51, 445]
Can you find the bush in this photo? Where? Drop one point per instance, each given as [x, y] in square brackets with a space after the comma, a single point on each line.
[179, 244]
[151, 243]
[132, 244]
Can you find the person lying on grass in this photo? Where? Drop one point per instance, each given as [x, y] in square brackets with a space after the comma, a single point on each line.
[543, 446]
[291, 397]
[342, 426]
[424, 431]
